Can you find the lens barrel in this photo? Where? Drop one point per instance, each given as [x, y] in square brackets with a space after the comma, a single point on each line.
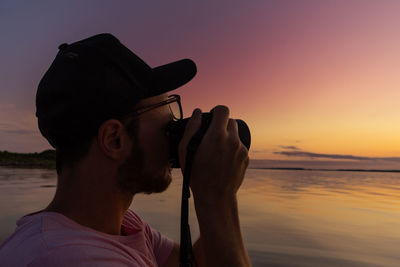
[176, 129]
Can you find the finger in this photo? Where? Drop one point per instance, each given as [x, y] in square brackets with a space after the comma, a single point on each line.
[233, 133]
[243, 153]
[191, 128]
[220, 118]
[193, 125]
[233, 127]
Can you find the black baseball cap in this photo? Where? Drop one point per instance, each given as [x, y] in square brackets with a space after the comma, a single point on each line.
[96, 79]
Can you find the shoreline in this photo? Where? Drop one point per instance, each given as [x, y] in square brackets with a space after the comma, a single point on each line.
[29, 165]
[51, 165]
[331, 170]
[45, 159]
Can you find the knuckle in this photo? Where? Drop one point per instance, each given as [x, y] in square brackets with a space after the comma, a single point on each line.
[234, 141]
[243, 153]
[233, 127]
[246, 162]
[221, 109]
[232, 121]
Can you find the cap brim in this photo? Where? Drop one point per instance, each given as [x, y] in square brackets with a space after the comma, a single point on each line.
[170, 76]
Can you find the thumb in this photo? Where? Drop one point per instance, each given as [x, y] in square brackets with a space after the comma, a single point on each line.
[191, 128]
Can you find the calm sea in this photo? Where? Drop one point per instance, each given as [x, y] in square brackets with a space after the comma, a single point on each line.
[289, 218]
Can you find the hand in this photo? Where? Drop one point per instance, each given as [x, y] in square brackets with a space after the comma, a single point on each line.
[221, 159]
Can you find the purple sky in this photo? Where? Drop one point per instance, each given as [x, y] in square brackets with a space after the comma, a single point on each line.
[158, 31]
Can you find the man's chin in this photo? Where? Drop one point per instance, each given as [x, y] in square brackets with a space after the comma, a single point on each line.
[164, 184]
[161, 183]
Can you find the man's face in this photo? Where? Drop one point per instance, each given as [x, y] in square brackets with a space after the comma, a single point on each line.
[147, 169]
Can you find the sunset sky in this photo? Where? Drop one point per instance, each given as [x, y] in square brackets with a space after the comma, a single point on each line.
[314, 80]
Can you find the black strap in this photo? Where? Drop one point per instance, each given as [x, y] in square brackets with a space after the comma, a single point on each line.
[186, 257]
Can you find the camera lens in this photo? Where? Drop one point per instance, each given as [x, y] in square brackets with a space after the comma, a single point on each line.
[176, 130]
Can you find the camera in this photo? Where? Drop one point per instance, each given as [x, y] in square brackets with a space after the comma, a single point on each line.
[175, 130]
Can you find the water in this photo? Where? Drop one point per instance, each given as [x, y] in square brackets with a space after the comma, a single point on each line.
[288, 218]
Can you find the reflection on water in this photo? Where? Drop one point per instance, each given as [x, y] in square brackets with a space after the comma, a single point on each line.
[289, 218]
[334, 218]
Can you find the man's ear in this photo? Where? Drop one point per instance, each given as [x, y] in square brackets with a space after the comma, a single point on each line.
[112, 139]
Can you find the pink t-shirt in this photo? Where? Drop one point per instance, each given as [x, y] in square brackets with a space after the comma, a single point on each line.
[51, 239]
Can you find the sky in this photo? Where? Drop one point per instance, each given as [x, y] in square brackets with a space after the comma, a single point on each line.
[314, 80]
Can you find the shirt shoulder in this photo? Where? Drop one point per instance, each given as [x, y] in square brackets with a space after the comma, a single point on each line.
[51, 239]
[84, 255]
[132, 223]
[160, 245]
[27, 238]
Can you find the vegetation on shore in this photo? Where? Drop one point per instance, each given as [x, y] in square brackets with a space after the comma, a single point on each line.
[44, 159]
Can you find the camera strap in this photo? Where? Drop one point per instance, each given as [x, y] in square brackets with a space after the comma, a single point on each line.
[186, 257]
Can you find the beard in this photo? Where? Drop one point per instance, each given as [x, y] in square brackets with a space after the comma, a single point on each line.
[134, 177]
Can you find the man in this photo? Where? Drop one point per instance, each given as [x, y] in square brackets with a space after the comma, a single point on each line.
[105, 111]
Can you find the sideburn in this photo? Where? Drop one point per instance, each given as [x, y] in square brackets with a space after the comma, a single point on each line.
[132, 176]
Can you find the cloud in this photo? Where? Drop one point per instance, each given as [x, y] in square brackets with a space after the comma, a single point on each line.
[290, 147]
[332, 156]
[259, 151]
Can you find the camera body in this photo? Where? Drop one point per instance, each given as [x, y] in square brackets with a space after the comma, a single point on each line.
[176, 129]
